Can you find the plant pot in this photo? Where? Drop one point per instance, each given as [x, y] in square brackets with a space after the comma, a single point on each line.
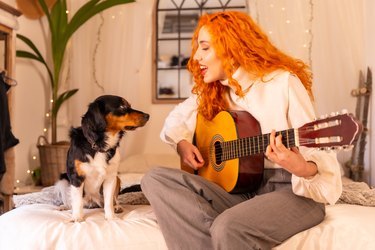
[52, 160]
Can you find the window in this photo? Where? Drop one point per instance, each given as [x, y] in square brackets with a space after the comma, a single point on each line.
[175, 24]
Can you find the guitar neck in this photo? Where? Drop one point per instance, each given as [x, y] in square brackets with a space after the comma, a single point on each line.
[254, 145]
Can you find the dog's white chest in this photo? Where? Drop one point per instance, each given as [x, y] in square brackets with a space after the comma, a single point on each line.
[99, 166]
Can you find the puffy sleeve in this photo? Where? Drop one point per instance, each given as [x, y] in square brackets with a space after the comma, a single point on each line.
[180, 123]
[325, 186]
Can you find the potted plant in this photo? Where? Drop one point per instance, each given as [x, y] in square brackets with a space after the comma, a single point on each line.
[61, 30]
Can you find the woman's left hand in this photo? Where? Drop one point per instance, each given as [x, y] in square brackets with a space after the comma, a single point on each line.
[290, 159]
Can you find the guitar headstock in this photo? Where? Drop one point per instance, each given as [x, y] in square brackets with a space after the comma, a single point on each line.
[335, 131]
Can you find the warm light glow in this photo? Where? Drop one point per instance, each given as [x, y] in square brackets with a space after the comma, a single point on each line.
[47, 114]
[45, 130]
[34, 157]
[18, 181]
[51, 100]
[28, 171]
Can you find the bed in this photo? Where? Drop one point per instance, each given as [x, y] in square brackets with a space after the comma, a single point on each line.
[39, 224]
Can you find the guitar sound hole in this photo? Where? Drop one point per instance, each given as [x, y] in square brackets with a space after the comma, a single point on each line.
[218, 153]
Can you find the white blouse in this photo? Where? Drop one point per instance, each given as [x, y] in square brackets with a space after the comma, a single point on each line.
[278, 102]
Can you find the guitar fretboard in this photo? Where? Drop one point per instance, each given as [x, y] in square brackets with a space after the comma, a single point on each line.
[251, 145]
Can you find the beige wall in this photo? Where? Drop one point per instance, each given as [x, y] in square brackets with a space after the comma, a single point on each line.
[30, 104]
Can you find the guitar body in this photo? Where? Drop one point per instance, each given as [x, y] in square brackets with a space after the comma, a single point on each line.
[233, 146]
[237, 175]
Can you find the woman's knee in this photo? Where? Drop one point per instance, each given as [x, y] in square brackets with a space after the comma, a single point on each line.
[224, 231]
[151, 179]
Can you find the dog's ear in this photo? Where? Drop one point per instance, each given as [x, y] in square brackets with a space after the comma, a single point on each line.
[93, 123]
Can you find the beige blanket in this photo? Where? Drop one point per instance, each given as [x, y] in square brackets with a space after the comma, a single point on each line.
[358, 193]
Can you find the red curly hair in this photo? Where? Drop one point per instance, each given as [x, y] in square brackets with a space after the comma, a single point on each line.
[235, 37]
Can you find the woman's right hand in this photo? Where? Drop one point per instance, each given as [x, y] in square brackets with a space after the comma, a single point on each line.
[190, 155]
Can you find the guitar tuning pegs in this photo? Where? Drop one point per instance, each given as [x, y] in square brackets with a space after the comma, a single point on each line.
[348, 147]
[344, 111]
[334, 114]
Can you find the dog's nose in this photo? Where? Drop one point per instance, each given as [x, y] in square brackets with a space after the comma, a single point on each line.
[146, 116]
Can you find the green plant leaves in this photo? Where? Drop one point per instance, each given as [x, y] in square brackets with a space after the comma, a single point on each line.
[61, 99]
[37, 56]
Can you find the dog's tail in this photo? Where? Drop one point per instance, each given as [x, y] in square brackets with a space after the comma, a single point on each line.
[62, 190]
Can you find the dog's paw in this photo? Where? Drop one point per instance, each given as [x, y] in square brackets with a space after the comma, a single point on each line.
[77, 217]
[118, 209]
[78, 220]
[74, 220]
[63, 208]
[109, 216]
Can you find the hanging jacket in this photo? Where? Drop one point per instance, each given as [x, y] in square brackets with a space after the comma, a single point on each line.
[7, 139]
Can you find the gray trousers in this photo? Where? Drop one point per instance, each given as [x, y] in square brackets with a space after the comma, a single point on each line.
[194, 213]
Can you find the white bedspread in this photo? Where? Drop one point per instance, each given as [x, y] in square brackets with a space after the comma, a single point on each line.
[346, 227]
[42, 226]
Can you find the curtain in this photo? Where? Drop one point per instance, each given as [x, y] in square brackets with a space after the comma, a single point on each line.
[327, 35]
[110, 54]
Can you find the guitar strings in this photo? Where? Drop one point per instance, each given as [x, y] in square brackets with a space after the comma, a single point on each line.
[243, 146]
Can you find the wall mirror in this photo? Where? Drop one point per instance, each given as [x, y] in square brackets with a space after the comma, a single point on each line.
[175, 21]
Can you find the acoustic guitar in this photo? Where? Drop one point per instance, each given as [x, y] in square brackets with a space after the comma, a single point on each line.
[233, 146]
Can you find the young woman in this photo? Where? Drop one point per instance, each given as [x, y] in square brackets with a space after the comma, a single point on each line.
[236, 67]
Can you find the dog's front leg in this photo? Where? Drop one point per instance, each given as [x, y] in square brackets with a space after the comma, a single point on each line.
[109, 186]
[77, 203]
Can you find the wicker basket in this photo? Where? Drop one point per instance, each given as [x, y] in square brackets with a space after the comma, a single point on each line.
[52, 160]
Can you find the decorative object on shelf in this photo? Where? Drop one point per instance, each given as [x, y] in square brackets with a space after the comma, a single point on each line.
[61, 28]
[180, 23]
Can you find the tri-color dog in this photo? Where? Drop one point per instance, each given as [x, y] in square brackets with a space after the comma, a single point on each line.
[93, 156]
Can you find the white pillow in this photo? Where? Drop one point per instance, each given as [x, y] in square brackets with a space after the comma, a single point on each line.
[128, 179]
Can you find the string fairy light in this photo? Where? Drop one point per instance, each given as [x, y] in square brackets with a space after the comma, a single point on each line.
[306, 37]
[309, 31]
[98, 41]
